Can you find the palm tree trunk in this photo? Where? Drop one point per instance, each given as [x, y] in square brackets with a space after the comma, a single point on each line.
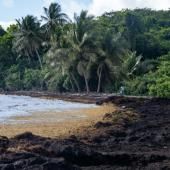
[39, 58]
[76, 82]
[72, 86]
[99, 80]
[87, 84]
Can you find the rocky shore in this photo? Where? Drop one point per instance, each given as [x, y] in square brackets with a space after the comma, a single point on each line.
[135, 136]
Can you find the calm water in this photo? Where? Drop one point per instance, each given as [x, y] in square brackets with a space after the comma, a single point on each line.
[11, 106]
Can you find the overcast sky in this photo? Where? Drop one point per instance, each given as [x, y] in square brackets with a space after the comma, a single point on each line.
[14, 9]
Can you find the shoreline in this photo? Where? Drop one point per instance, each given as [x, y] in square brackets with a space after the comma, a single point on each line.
[91, 98]
[92, 115]
[77, 119]
[135, 135]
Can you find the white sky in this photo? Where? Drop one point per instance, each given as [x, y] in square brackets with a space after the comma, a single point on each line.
[12, 9]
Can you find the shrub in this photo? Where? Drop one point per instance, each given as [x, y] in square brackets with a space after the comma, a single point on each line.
[161, 88]
[33, 79]
[154, 83]
[13, 79]
[56, 83]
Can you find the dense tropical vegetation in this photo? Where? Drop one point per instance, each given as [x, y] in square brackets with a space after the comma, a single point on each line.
[129, 48]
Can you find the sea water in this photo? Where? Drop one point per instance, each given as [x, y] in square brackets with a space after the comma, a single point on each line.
[11, 106]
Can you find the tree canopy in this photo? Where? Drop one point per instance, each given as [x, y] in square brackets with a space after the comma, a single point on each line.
[129, 48]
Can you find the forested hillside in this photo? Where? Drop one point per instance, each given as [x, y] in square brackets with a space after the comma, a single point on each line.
[128, 48]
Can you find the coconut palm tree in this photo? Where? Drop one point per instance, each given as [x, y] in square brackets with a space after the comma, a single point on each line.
[53, 18]
[109, 56]
[59, 60]
[135, 64]
[27, 40]
[82, 47]
[131, 63]
[78, 52]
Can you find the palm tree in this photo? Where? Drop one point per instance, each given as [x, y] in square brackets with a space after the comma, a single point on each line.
[53, 18]
[81, 45]
[84, 68]
[131, 63]
[59, 59]
[27, 40]
[78, 51]
[135, 64]
[109, 56]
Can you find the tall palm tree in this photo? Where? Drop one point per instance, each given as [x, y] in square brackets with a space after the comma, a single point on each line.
[78, 53]
[81, 45]
[59, 60]
[53, 18]
[27, 40]
[109, 56]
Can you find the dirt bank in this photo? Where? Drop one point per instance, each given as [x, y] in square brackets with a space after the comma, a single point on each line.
[134, 136]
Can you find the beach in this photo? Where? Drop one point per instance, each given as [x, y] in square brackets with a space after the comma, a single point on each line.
[54, 123]
[124, 133]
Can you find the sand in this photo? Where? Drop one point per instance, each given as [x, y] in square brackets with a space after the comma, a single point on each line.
[47, 124]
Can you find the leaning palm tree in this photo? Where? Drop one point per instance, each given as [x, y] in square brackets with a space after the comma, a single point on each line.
[109, 56]
[131, 63]
[27, 40]
[77, 55]
[136, 65]
[81, 45]
[59, 59]
[53, 18]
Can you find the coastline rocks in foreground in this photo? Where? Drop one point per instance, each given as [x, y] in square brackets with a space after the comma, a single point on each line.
[136, 136]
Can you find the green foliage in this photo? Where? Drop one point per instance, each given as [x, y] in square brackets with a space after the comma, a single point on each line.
[137, 86]
[2, 31]
[6, 55]
[53, 18]
[128, 48]
[161, 86]
[154, 83]
[32, 79]
[13, 79]
[27, 38]
[56, 83]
